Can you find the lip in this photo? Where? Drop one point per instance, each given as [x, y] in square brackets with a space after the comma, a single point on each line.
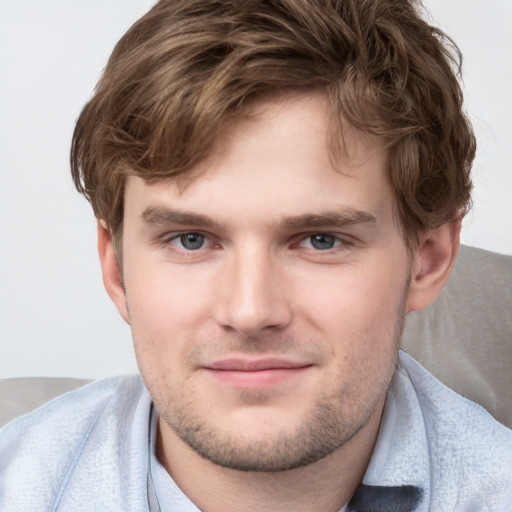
[255, 373]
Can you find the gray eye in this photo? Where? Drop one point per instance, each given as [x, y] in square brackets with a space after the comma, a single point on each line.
[322, 242]
[192, 241]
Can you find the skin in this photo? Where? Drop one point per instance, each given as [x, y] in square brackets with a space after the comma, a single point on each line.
[266, 299]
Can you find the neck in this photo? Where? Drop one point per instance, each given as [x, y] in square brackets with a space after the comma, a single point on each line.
[323, 485]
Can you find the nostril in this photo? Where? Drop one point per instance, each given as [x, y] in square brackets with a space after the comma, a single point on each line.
[247, 319]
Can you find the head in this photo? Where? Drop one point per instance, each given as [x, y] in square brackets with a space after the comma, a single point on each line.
[282, 181]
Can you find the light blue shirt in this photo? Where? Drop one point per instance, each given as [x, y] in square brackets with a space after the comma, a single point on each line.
[93, 450]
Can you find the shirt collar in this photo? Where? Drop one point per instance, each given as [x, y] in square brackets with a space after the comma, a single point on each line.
[398, 476]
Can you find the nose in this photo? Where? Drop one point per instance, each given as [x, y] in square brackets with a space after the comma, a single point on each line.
[252, 294]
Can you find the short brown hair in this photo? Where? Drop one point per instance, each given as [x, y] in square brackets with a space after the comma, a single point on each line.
[189, 66]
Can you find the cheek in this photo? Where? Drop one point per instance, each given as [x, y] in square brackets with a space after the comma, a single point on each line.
[168, 312]
[165, 296]
[359, 312]
[353, 295]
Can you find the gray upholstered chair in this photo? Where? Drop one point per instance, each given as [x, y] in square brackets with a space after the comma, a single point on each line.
[21, 395]
[464, 338]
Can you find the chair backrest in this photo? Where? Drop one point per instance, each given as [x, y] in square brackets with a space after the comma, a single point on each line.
[465, 336]
[21, 395]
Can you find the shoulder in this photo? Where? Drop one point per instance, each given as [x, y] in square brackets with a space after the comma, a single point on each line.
[468, 449]
[74, 410]
[441, 405]
[40, 451]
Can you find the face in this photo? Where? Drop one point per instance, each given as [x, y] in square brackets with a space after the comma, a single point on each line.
[266, 297]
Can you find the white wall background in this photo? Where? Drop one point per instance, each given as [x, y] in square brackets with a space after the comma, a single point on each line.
[55, 318]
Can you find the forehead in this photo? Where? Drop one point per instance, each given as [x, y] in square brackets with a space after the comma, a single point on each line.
[276, 161]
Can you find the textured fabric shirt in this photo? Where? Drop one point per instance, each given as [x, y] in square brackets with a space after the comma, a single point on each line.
[93, 450]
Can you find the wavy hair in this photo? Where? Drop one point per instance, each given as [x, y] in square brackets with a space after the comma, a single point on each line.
[189, 66]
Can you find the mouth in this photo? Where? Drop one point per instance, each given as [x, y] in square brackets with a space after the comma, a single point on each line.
[255, 373]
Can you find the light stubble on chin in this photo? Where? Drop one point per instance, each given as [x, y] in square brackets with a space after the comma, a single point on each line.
[334, 419]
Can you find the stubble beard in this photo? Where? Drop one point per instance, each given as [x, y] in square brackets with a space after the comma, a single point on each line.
[324, 430]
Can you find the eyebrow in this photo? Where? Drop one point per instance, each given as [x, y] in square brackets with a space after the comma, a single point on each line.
[344, 217]
[162, 215]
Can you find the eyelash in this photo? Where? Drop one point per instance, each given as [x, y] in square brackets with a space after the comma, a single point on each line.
[167, 241]
[342, 243]
[336, 240]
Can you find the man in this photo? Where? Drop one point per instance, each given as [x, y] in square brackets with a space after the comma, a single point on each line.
[276, 185]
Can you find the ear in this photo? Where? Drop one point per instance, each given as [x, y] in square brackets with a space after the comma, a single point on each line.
[112, 277]
[432, 264]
